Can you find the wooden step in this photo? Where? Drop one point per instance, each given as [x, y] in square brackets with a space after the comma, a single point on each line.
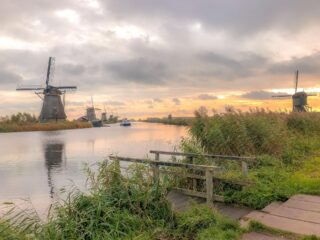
[306, 198]
[285, 224]
[303, 205]
[298, 214]
[272, 207]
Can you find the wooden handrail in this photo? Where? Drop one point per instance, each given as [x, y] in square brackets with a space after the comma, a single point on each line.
[204, 155]
[164, 163]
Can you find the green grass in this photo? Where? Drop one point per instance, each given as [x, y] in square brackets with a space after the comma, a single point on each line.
[119, 207]
[286, 147]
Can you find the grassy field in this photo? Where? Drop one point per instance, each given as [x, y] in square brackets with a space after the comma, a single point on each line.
[50, 126]
[286, 146]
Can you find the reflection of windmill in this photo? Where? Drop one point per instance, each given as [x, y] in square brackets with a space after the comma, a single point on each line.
[53, 153]
[299, 99]
[52, 107]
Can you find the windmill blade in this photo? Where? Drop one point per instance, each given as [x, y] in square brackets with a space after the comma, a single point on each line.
[50, 70]
[30, 88]
[67, 88]
[282, 96]
[312, 94]
[296, 81]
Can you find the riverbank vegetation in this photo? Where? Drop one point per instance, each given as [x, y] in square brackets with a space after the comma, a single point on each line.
[120, 207]
[23, 122]
[286, 146]
[179, 121]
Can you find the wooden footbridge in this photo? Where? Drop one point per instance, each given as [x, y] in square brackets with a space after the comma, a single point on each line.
[299, 215]
[201, 176]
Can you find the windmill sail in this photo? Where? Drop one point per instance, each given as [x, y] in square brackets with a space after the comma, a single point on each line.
[296, 81]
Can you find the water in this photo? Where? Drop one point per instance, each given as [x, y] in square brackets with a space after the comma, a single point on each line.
[35, 165]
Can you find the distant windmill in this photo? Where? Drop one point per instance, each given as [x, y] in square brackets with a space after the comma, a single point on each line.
[299, 99]
[91, 111]
[52, 107]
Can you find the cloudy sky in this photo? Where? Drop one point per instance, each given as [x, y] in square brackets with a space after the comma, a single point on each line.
[151, 58]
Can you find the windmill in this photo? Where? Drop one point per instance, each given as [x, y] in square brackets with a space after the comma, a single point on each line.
[299, 99]
[91, 111]
[52, 107]
[104, 114]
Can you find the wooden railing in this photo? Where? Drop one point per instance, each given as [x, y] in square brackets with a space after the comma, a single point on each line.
[193, 170]
[243, 160]
[155, 164]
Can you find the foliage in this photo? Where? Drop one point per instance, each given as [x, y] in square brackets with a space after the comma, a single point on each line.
[119, 207]
[49, 126]
[285, 146]
[19, 118]
[180, 121]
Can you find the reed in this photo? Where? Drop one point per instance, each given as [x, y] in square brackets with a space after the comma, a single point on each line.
[50, 126]
[286, 147]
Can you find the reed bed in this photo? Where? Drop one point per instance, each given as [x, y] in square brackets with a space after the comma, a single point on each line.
[286, 146]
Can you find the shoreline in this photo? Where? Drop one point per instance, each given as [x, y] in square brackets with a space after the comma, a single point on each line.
[51, 126]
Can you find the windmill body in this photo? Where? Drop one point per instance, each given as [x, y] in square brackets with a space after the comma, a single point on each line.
[53, 108]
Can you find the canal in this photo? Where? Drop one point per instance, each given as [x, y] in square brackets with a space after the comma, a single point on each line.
[36, 165]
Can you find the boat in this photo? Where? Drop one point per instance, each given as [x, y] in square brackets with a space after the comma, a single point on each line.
[125, 123]
[96, 123]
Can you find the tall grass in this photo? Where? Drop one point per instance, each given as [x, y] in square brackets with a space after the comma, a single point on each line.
[119, 207]
[286, 146]
[50, 126]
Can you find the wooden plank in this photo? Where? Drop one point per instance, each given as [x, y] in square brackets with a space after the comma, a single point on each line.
[309, 206]
[187, 175]
[209, 186]
[163, 163]
[298, 214]
[285, 224]
[217, 198]
[204, 155]
[272, 207]
[306, 198]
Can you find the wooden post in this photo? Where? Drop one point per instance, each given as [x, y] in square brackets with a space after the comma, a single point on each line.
[194, 181]
[156, 172]
[244, 167]
[209, 186]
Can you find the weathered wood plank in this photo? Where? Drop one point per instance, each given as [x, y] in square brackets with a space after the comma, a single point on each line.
[163, 163]
[298, 214]
[286, 224]
[217, 198]
[308, 206]
[306, 198]
[187, 175]
[204, 155]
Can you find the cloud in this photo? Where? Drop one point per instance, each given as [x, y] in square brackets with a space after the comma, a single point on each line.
[139, 70]
[176, 101]
[115, 103]
[207, 97]
[261, 95]
[158, 100]
[73, 69]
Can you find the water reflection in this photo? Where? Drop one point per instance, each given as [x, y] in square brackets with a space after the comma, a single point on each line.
[30, 161]
[54, 156]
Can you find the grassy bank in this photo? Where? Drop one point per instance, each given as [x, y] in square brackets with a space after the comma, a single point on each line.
[50, 126]
[286, 146]
[179, 121]
[119, 207]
